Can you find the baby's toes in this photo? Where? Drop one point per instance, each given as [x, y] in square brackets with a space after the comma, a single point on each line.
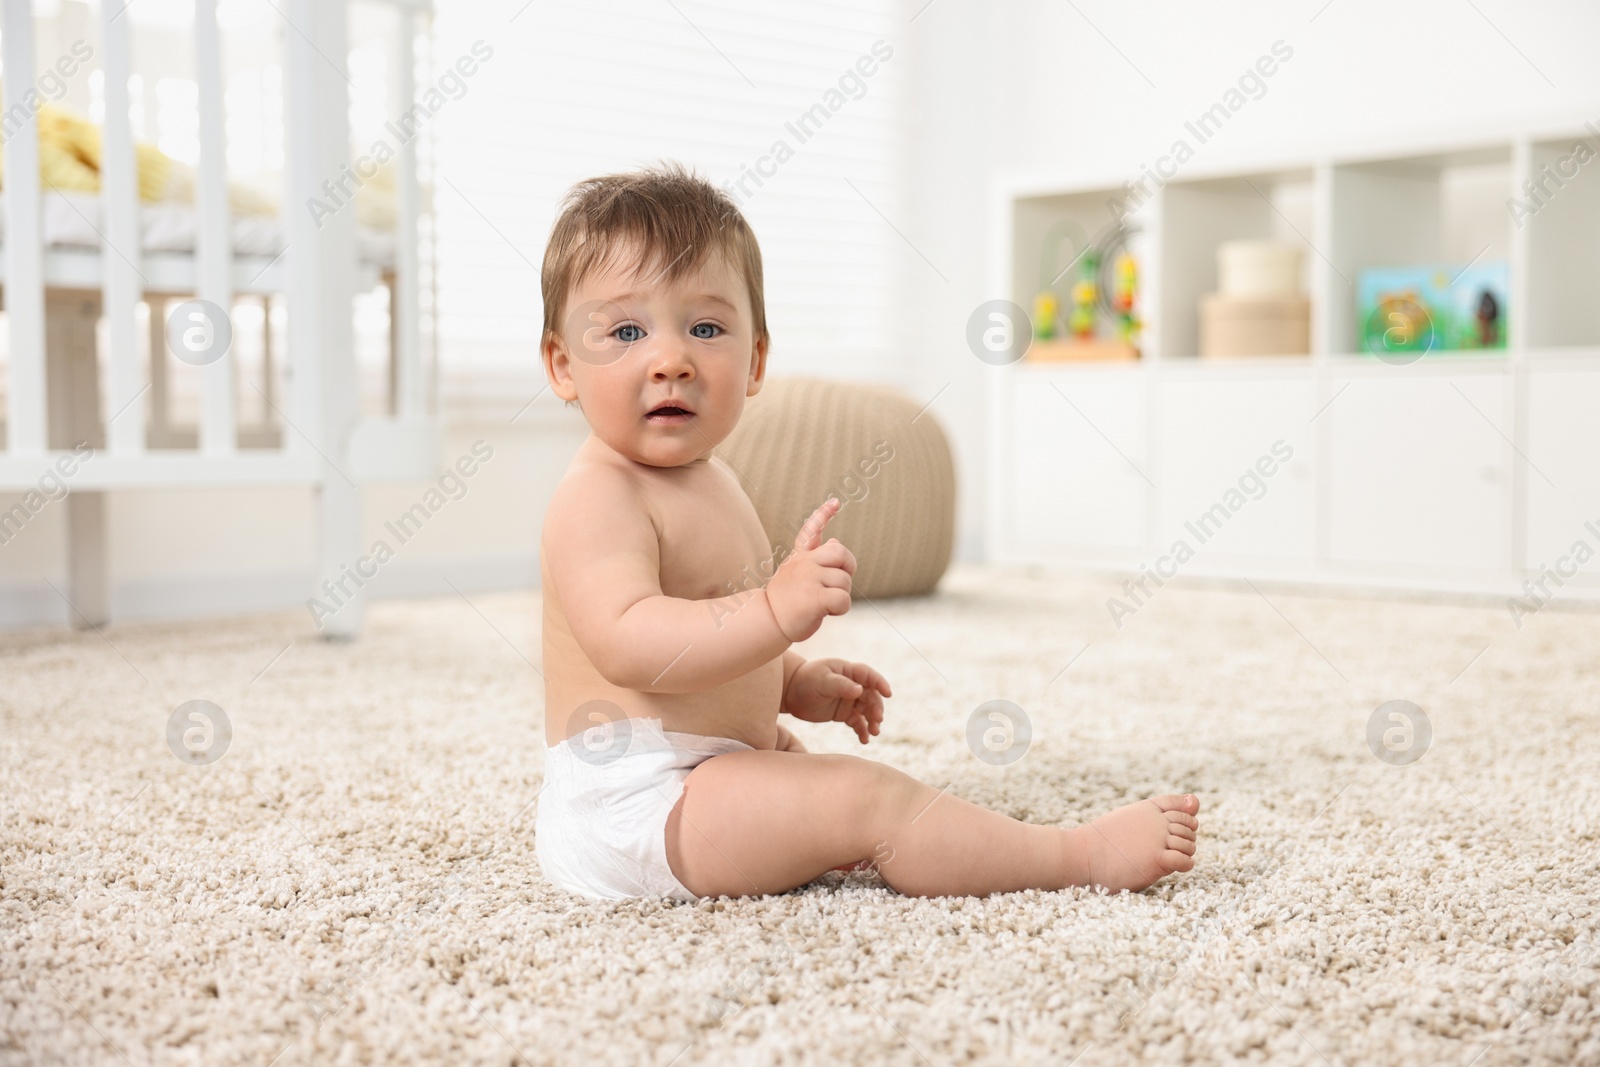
[1177, 829]
[1173, 860]
[1188, 804]
[1184, 845]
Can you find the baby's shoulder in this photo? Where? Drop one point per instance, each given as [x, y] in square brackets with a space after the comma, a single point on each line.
[592, 494]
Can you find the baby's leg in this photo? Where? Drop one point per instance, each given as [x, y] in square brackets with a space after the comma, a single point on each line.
[765, 822]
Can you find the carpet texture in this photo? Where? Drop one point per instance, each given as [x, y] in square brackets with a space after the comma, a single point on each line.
[354, 880]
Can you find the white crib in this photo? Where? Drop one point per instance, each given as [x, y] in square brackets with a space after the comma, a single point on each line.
[55, 399]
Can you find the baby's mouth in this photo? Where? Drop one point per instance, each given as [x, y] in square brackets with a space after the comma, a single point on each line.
[669, 413]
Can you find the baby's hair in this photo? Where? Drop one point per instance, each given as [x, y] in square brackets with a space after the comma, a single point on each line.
[671, 218]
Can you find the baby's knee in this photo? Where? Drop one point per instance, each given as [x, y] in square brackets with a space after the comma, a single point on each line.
[877, 796]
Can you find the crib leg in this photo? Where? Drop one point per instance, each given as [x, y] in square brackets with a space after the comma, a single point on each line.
[86, 559]
[73, 377]
[338, 551]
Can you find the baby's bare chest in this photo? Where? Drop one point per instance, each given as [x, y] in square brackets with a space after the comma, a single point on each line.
[711, 541]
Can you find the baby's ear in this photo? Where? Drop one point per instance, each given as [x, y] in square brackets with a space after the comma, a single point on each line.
[558, 367]
[758, 367]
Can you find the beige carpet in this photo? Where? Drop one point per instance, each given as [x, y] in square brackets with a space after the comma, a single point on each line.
[354, 881]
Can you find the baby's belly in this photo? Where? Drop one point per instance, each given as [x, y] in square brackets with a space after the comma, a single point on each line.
[745, 709]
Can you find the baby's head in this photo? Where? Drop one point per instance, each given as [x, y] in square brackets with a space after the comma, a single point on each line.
[653, 313]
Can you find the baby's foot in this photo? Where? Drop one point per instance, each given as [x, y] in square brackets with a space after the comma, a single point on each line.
[1134, 846]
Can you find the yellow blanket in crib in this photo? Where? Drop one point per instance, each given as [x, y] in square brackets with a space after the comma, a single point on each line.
[69, 161]
[69, 156]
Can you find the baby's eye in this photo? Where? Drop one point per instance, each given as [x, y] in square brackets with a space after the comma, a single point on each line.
[705, 330]
[628, 334]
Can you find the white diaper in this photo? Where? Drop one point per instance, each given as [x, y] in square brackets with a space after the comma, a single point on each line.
[601, 827]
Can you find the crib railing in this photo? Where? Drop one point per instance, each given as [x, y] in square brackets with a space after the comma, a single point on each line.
[24, 294]
[323, 442]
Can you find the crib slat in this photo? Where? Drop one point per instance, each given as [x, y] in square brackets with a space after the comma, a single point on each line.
[24, 287]
[213, 235]
[120, 281]
[302, 290]
[407, 317]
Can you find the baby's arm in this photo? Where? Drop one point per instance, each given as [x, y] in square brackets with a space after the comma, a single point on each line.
[605, 562]
[792, 661]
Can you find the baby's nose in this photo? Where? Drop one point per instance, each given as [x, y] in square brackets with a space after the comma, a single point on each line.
[673, 366]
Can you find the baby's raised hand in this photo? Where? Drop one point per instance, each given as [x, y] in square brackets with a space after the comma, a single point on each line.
[833, 690]
[814, 582]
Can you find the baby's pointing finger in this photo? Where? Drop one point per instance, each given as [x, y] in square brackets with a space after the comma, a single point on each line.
[810, 535]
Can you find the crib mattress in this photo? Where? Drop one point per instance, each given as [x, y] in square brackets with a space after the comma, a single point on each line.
[73, 221]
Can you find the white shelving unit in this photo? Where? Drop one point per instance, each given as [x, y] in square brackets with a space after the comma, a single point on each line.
[1465, 471]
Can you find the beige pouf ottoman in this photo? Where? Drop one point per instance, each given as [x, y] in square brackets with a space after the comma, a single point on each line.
[802, 440]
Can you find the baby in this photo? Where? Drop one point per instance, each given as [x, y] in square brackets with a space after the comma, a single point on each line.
[669, 772]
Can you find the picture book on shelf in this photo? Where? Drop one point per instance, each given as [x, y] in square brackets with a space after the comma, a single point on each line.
[1433, 307]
